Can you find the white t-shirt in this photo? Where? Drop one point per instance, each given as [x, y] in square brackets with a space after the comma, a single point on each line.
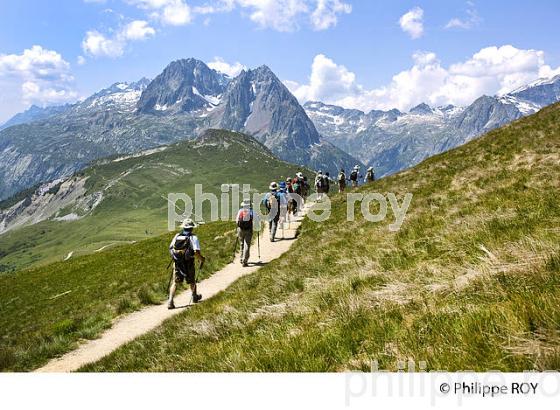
[194, 242]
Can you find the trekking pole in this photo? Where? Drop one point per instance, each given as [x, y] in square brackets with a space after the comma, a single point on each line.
[235, 247]
[259, 241]
[170, 276]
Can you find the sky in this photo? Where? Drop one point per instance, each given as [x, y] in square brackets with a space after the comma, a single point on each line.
[367, 54]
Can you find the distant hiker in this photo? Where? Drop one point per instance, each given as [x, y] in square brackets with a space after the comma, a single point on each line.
[326, 183]
[184, 248]
[319, 185]
[271, 202]
[297, 187]
[244, 219]
[341, 180]
[370, 175]
[305, 189]
[289, 188]
[354, 175]
[283, 203]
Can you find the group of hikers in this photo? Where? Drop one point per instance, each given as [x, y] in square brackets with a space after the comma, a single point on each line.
[283, 199]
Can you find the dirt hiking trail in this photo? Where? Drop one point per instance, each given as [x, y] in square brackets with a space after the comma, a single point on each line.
[129, 327]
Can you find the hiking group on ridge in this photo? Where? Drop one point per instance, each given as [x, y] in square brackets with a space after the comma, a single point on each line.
[283, 199]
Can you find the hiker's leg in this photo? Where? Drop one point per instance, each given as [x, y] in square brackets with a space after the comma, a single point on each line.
[246, 246]
[173, 287]
[172, 290]
[241, 247]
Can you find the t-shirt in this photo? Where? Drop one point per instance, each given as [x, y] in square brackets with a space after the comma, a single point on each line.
[193, 238]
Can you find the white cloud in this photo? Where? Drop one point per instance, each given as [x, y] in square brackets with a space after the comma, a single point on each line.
[170, 12]
[138, 30]
[231, 70]
[412, 22]
[97, 44]
[280, 15]
[491, 71]
[326, 13]
[328, 81]
[44, 75]
[472, 19]
[81, 60]
[283, 15]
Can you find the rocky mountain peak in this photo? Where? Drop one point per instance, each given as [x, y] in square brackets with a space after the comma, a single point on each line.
[421, 109]
[184, 85]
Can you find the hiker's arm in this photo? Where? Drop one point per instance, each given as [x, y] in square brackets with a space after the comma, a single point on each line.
[171, 248]
[199, 256]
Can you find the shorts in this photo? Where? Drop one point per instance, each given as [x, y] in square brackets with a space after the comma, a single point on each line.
[184, 271]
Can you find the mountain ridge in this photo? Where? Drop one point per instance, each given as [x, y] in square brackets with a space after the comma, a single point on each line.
[126, 118]
[393, 140]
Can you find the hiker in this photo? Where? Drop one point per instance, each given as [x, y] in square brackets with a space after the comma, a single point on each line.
[283, 204]
[244, 219]
[289, 188]
[297, 187]
[341, 180]
[319, 185]
[271, 202]
[184, 248]
[354, 175]
[326, 183]
[370, 175]
[305, 188]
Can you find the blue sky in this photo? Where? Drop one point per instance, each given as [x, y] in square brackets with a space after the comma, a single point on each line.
[361, 54]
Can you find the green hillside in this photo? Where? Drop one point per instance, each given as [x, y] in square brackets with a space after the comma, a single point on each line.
[470, 282]
[47, 310]
[133, 194]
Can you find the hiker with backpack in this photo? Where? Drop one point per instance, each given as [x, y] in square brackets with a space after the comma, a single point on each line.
[184, 248]
[305, 189]
[297, 187]
[289, 188]
[341, 180]
[245, 218]
[283, 204]
[326, 183]
[271, 202]
[319, 185]
[370, 175]
[354, 176]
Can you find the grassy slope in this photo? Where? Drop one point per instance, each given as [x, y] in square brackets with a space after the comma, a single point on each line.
[46, 310]
[40, 320]
[471, 281]
[135, 207]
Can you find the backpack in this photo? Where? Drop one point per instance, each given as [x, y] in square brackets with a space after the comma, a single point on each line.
[182, 247]
[245, 221]
[270, 201]
[325, 182]
[296, 186]
[354, 176]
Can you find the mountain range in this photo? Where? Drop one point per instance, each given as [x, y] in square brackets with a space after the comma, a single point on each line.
[393, 140]
[188, 97]
[180, 103]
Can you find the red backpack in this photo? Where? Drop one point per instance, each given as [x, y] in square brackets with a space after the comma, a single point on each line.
[245, 221]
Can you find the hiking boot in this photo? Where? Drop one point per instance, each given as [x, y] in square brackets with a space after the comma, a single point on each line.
[171, 305]
[196, 297]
